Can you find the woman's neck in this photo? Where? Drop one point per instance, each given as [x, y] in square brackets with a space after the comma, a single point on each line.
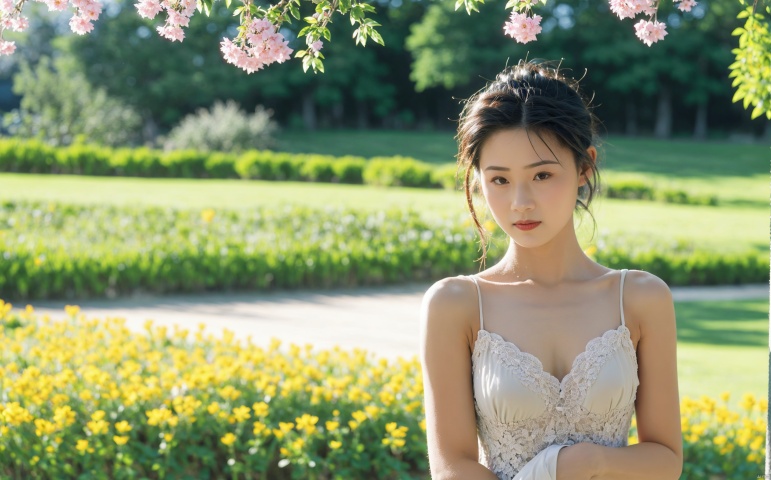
[550, 264]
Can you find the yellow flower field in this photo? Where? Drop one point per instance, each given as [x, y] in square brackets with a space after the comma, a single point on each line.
[88, 398]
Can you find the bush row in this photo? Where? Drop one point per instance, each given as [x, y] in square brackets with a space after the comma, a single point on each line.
[30, 156]
[67, 251]
[90, 398]
[635, 189]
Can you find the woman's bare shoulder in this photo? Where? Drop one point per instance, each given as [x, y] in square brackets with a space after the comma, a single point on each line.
[451, 299]
[648, 299]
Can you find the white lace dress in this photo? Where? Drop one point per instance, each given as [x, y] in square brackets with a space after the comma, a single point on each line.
[525, 414]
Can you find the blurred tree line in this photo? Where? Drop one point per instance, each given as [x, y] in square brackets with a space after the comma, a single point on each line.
[434, 57]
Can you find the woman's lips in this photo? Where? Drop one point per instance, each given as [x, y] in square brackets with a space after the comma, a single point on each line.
[527, 226]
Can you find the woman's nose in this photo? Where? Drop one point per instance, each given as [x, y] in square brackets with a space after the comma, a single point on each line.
[522, 200]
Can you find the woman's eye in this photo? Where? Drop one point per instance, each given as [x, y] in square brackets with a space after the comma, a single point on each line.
[543, 173]
[498, 178]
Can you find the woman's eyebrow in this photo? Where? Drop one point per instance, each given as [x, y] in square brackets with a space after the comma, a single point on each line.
[536, 164]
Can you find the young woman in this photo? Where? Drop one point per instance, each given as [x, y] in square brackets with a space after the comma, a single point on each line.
[533, 368]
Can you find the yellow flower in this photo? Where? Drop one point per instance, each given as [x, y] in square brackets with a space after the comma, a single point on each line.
[490, 225]
[207, 215]
[260, 409]
[98, 427]
[307, 423]
[334, 444]
[332, 426]
[82, 446]
[590, 250]
[719, 440]
[120, 440]
[228, 439]
[97, 415]
[71, 310]
[241, 414]
[748, 401]
[123, 427]
[213, 408]
[259, 427]
[359, 416]
[725, 396]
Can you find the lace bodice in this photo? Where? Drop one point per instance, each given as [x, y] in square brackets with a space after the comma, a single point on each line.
[521, 409]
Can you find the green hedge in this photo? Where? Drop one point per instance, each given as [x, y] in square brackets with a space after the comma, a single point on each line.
[635, 189]
[31, 156]
[66, 251]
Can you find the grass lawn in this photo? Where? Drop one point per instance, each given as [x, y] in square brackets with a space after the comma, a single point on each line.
[723, 346]
[725, 228]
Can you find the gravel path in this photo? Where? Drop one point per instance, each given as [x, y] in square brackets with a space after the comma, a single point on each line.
[381, 320]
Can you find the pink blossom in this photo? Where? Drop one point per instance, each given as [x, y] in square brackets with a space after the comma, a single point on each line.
[6, 5]
[316, 46]
[650, 32]
[260, 47]
[19, 24]
[90, 11]
[148, 8]
[180, 19]
[56, 5]
[686, 5]
[7, 48]
[629, 8]
[80, 25]
[522, 28]
[172, 32]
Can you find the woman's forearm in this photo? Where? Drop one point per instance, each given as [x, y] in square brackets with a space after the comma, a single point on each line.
[640, 461]
[465, 470]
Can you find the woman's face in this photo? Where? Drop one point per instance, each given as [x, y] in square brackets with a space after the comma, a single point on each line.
[522, 180]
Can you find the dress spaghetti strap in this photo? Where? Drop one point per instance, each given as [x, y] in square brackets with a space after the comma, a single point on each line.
[479, 294]
[621, 295]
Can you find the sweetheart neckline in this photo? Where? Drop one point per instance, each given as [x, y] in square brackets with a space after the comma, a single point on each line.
[579, 357]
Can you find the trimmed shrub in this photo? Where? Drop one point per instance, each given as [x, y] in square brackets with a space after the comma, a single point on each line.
[224, 128]
[398, 172]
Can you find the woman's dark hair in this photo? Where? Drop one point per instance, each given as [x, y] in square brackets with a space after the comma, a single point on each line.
[537, 98]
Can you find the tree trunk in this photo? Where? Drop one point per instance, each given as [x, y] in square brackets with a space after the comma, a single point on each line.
[362, 115]
[663, 127]
[700, 129]
[338, 113]
[309, 111]
[631, 118]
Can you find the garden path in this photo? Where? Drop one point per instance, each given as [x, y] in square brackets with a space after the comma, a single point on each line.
[383, 320]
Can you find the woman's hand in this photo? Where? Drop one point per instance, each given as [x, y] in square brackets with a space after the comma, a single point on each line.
[577, 462]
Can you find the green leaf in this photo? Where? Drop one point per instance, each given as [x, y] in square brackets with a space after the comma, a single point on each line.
[377, 38]
[326, 34]
[738, 96]
[511, 3]
[310, 20]
[757, 111]
[738, 31]
[227, 3]
[294, 11]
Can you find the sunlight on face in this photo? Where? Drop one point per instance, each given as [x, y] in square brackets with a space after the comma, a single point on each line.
[527, 179]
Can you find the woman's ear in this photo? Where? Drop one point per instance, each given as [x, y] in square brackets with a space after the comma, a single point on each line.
[588, 169]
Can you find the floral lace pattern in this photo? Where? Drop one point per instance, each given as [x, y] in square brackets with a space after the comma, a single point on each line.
[506, 447]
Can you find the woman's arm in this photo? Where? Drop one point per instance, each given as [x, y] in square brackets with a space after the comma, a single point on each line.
[659, 453]
[445, 356]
